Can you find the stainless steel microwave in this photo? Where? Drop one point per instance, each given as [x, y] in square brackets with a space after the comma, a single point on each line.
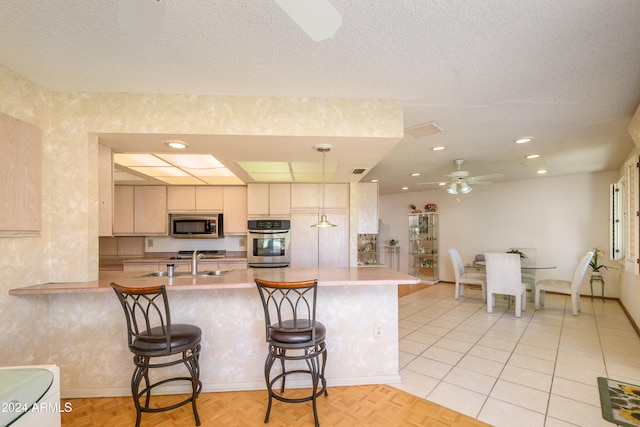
[196, 226]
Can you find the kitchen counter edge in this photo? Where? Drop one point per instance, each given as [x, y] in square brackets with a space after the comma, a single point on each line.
[242, 278]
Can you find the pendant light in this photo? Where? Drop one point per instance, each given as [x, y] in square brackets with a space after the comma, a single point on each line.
[324, 222]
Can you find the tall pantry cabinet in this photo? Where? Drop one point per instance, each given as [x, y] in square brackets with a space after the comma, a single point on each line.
[423, 246]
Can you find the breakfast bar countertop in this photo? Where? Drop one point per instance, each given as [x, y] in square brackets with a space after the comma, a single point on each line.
[242, 278]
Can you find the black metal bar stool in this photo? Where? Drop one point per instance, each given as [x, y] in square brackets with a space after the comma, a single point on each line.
[294, 335]
[150, 334]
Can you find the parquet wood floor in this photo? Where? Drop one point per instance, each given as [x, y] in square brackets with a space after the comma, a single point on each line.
[368, 405]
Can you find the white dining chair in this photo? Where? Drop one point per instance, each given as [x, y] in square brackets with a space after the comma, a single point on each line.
[504, 277]
[528, 275]
[464, 278]
[568, 287]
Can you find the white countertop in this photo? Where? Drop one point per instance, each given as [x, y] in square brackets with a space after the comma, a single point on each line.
[243, 278]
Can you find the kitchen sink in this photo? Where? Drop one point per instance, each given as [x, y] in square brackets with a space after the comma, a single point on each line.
[184, 274]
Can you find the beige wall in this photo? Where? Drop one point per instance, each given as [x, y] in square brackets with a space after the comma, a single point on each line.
[562, 217]
[67, 250]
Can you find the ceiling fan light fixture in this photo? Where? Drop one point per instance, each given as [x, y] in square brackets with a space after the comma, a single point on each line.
[465, 188]
[453, 188]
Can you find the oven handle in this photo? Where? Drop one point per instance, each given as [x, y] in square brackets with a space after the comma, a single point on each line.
[268, 231]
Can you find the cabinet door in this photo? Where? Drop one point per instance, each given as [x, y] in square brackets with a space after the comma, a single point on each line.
[280, 200]
[123, 209]
[304, 240]
[210, 198]
[305, 196]
[319, 247]
[150, 210]
[20, 177]
[336, 196]
[258, 199]
[235, 210]
[333, 242]
[181, 198]
[368, 208]
[105, 191]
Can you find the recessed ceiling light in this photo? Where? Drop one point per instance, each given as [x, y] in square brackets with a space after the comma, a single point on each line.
[174, 143]
[524, 140]
[405, 188]
[375, 180]
[442, 184]
[532, 156]
[542, 171]
[415, 174]
[440, 148]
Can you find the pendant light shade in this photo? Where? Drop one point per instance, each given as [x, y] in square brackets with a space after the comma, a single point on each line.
[324, 222]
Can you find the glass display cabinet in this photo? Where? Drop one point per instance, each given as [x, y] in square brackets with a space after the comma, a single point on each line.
[423, 246]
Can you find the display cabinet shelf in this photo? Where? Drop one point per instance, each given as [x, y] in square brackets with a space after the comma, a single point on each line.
[423, 246]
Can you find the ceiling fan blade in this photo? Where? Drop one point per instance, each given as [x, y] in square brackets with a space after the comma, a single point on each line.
[429, 183]
[489, 177]
[479, 182]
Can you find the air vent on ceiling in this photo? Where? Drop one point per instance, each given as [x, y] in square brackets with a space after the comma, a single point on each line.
[423, 129]
[358, 171]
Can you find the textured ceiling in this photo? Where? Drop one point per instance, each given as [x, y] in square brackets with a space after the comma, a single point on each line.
[566, 72]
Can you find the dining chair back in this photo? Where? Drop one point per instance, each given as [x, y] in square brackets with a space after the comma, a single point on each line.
[504, 277]
[464, 278]
[568, 287]
[529, 276]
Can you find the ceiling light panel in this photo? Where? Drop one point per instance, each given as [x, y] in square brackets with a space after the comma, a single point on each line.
[217, 172]
[160, 171]
[132, 159]
[181, 180]
[264, 167]
[192, 161]
[271, 177]
[313, 167]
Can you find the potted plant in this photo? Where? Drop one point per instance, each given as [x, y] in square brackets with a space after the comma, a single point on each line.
[515, 251]
[594, 263]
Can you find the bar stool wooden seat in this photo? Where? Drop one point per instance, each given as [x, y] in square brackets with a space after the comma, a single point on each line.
[150, 334]
[294, 336]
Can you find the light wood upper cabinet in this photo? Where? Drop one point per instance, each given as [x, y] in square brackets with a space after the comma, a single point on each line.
[268, 200]
[235, 210]
[367, 208]
[123, 210]
[150, 210]
[305, 196]
[140, 210]
[105, 191]
[190, 198]
[181, 198]
[210, 198]
[20, 177]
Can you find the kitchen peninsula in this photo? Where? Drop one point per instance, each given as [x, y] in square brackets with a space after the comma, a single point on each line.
[88, 338]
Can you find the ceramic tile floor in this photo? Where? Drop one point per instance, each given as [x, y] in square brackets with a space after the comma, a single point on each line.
[537, 370]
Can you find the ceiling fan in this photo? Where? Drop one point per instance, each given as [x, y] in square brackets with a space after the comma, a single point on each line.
[461, 182]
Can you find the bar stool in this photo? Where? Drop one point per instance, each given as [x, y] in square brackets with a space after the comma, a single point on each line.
[150, 334]
[294, 335]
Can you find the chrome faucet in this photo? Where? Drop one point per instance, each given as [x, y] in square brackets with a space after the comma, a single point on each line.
[194, 262]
